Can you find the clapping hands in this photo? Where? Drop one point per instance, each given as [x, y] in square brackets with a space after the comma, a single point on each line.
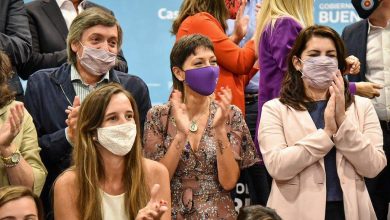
[222, 114]
[334, 114]
[73, 115]
[240, 24]
[179, 112]
[12, 126]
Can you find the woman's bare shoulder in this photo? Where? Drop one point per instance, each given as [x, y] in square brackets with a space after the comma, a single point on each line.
[66, 182]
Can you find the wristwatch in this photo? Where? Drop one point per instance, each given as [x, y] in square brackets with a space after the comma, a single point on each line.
[12, 160]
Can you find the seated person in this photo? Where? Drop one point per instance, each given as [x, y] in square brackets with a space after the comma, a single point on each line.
[110, 178]
[20, 163]
[19, 202]
[93, 42]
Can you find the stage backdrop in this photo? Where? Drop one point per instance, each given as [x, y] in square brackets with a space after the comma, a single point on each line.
[147, 43]
[147, 39]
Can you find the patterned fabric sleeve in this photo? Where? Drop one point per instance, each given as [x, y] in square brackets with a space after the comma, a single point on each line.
[241, 140]
[154, 132]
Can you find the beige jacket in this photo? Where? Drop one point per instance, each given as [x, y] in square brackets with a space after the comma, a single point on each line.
[27, 143]
[293, 150]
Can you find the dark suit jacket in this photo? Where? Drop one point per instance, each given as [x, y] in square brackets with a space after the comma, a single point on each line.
[48, 94]
[15, 37]
[49, 32]
[355, 39]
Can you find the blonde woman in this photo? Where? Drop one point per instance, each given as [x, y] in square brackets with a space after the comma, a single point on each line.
[278, 24]
[110, 179]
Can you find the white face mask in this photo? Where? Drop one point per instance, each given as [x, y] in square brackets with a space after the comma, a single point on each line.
[118, 139]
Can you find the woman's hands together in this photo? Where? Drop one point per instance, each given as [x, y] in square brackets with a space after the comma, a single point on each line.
[334, 114]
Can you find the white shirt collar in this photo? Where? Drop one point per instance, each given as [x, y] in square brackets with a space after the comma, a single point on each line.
[373, 27]
[61, 2]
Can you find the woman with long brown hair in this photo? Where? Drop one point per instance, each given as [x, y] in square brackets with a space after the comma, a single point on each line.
[317, 140]
[110, 179]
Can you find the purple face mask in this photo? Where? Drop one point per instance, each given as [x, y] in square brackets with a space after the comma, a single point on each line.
[319, 71]
[202, 80]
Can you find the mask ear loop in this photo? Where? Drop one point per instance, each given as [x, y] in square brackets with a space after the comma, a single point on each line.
[184, 88]
[302, 62]
[82, 45]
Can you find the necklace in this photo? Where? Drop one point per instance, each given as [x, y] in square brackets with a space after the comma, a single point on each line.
[193, 124]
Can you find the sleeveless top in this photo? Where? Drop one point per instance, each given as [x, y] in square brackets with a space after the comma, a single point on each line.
[113, 207]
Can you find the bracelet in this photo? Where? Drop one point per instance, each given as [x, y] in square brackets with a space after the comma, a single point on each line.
[12, 160]
[9, 165]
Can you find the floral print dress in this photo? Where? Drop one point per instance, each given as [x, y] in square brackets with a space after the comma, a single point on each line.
[196, 191]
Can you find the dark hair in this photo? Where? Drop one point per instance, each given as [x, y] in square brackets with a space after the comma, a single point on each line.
[11, 193]
[257, 212]
[293, 91]
[216, 8]
[6, 95]
[183, 48]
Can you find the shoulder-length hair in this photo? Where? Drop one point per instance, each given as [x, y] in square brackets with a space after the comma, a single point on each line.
[88, 163]
[300, 10]
[293, 91]
[216, 8]
[6, 95]
[11, 193]
[182, 49]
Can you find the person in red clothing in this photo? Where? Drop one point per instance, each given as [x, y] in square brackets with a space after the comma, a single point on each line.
[208, 17]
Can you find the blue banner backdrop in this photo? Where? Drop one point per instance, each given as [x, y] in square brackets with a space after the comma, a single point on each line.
[147, 39]
[147, 43]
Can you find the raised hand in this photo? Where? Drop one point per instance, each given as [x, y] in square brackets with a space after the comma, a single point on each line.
[240, 24]
[337, 89]
[179, 111]
[155, 207]
[12, 126]
[330, 115]
[222, 114]
[258, 7]
[353, 65]
[73, 115]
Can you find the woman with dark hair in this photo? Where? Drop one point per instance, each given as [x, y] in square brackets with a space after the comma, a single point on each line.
[317, 140]
[110, 178]
[208, 17]
[19, 203]
[20, 163]
[203, 155]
